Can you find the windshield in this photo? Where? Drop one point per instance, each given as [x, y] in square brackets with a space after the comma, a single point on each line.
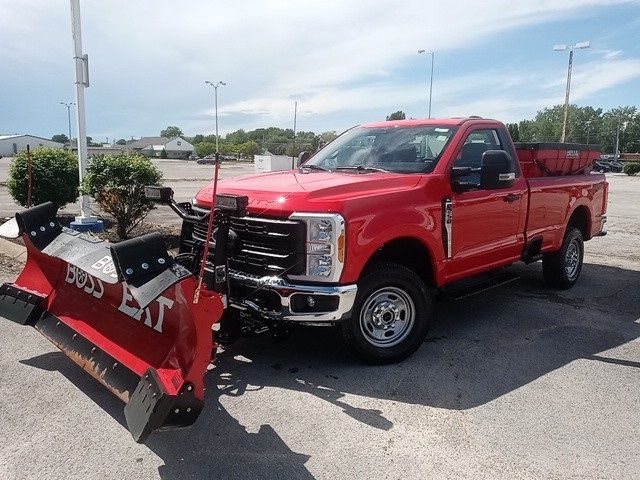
[392, 149]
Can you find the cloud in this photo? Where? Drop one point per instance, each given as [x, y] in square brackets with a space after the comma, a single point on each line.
[343, 61]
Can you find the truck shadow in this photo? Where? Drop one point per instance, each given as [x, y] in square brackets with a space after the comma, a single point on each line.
[478, 349]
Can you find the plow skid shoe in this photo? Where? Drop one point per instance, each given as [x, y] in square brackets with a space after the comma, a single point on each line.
[123, 312]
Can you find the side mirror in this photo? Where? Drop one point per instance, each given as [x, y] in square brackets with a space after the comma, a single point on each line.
[303, 157]
[496, 171]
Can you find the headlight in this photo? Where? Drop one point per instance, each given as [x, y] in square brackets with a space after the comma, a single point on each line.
[325, 244]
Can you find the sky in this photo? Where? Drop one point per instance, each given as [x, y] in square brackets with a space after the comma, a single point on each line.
[344, 62]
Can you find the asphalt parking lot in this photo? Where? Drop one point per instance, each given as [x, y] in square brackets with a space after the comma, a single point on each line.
[519, 382]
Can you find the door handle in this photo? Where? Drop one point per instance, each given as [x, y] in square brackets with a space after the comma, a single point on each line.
[512, 197]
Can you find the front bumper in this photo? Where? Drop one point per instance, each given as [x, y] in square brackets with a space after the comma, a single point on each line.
[309, 304]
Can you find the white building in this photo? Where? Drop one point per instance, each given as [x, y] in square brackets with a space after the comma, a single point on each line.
[269, 162]
[176, 147]
[13, 144]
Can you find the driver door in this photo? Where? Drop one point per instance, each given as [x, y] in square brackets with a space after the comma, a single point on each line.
[487, 226]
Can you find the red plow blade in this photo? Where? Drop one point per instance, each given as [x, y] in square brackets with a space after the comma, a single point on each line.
[123, 312]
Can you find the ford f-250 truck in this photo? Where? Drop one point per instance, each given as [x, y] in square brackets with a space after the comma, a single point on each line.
[362, 234]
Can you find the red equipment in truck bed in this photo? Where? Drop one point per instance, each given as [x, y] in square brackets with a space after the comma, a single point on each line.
[552, 159]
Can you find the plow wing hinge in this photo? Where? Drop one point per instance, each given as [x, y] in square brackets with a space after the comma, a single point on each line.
[40, 224]
[151, 407]
[19, 305]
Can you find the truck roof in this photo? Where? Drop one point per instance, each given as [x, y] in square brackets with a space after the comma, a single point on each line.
[416, 122]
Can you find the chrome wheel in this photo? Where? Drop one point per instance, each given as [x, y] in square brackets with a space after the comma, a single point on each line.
[387, 317]
[572, 259]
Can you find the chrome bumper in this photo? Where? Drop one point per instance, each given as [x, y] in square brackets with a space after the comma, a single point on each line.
[345, 295]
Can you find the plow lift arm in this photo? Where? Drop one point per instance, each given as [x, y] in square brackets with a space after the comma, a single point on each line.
[127, 313]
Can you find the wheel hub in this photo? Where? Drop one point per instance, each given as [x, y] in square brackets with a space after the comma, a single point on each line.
[572, 259]
[384, 315]
[387, 317]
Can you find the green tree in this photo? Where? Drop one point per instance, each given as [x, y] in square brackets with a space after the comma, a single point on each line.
[117, 182]
[237, 137]
[514, 131]
[163, 153]
[627, 121]
[54, 177]
[249, 149]
[527, 131]
[122, 141]
[60, 138]
[399, 115]
[205, 148]
[171, 132]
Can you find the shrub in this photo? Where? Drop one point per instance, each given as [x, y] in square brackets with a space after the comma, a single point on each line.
[631, 168]
[54, 175]
[117, 184]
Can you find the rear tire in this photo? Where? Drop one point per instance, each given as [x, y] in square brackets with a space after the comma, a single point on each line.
[562, 269]
[390, 316]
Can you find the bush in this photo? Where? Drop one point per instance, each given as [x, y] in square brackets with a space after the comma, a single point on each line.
[54, 175]
[631, 168]
[117, 184]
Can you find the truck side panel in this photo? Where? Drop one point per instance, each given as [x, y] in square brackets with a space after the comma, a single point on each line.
[552, 201]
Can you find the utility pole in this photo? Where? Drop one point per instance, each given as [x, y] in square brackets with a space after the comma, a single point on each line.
[588, 124]
[215, 88]
[560, 48]
[295, 120]
[620, 125]
[86, 221]
[432, 53]
[68, 105]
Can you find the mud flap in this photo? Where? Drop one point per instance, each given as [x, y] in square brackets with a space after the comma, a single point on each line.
[124, 313]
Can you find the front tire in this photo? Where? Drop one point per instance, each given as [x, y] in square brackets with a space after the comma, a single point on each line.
[390, 316]
[561, 269]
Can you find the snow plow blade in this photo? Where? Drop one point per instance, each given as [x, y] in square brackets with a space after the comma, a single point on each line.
[123, 312]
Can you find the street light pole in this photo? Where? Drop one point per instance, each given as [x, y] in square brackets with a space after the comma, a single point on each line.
[215, 95]
[588, 124]
[86, 221]
[620, 125]
[68, 105]
[430, 78]
[571, 48]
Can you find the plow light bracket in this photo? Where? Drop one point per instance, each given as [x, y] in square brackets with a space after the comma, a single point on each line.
[235, 204]
[158, 193]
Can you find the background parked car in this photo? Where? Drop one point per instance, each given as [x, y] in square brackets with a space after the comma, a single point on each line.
[601, 166]
[207, 159]
[616, 165]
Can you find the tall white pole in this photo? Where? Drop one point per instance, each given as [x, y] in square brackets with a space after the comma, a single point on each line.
[216, 105]
[82, 81]
[295, 125]
[566, 97]
[616, 154]
[431, 84]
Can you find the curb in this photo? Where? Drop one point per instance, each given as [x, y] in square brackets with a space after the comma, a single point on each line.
[12, 250]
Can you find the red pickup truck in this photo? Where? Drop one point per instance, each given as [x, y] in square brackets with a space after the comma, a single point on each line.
[362, 233]
[359, 236]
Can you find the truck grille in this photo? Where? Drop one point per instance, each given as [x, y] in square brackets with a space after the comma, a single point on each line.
[263, 246]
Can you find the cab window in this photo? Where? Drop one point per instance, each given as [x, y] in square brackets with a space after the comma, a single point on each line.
[478, 142]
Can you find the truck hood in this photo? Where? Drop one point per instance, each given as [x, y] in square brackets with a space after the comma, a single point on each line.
[282, 193]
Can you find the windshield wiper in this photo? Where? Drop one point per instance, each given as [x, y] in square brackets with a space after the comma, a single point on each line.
[363, 168]
[314, 167]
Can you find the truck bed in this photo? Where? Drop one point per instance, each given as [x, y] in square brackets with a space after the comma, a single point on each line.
[553, 199]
